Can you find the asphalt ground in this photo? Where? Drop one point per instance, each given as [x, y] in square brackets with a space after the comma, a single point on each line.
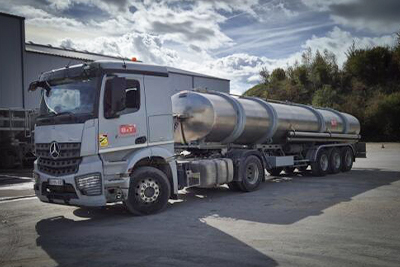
[348, 219]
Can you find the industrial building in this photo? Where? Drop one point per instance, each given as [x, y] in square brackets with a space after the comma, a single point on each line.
[22, 62]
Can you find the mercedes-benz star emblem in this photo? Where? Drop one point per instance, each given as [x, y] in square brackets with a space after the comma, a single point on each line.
[54, 150]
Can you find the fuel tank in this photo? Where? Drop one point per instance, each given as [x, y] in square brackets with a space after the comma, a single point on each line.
[214, 117]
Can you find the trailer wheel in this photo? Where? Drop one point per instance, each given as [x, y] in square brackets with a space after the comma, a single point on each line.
[347, 159]
[335, 161]
[149, 191]
[275, 171]
[252, 173]
[321, 165]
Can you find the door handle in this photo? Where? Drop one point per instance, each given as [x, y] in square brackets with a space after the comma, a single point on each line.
[141, 140]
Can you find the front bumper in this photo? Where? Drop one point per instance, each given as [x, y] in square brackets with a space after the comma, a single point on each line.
[68, 193]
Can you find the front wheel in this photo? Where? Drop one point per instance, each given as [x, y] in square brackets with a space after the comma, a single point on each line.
[149, 191]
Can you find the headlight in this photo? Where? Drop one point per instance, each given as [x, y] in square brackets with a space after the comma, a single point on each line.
[89, 185]
[36, 177]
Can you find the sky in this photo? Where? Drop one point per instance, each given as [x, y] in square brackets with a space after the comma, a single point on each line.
[229, 39]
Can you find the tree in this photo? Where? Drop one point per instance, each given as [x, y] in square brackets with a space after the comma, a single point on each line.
[278, 75]
[264, 73]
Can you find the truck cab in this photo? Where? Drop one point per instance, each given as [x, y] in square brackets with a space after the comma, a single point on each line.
[98, 123]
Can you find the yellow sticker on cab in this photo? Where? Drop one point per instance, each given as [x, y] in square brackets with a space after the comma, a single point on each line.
[103, 140]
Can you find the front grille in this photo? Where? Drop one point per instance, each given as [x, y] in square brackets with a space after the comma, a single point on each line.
[66, 163]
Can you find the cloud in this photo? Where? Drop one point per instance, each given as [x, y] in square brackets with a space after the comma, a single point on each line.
[241, 68]
[147, 48]
[376, 16]
[198, 25]
[338, 42]
[224, 38]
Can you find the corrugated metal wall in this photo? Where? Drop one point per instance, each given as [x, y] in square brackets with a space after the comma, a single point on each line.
[11, 53]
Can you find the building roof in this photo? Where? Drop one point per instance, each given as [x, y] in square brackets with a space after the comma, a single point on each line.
[67, 52]
[11, 15]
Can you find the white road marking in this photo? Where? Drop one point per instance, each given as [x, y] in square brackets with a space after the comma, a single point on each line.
[14, 199]
[15, 177]
[19, 186]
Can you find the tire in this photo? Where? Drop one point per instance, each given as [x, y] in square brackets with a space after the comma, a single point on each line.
[321, 165]
[252, 173]
[347, 159]
[275, 171]
[149, 191]
[335, 161]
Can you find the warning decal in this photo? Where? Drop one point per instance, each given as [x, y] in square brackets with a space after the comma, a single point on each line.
[103, 140]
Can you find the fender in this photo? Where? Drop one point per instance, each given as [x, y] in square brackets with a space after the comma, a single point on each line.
[149, 152]
[312, 153]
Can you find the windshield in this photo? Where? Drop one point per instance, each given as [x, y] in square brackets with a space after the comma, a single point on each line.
[72, 96]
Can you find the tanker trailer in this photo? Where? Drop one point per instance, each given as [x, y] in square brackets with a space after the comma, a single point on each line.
[282, 135]
[116, 142]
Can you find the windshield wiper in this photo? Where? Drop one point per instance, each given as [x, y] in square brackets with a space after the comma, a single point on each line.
[64, 113]
[53, 114]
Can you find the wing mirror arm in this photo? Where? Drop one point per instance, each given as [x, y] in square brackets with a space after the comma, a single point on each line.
[36, 84]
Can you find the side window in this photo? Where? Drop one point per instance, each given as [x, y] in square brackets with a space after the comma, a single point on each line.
[132, 102]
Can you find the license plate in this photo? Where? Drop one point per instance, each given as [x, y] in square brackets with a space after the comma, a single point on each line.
[55, 181]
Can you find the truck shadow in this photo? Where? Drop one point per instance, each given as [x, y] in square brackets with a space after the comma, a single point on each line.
[181, 235]
[287, 199]
[112, 237]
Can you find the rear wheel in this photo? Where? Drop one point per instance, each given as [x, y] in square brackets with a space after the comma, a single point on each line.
[321, 165]
[252, 173]
[335, 161]
[347, 159]
[149, 191]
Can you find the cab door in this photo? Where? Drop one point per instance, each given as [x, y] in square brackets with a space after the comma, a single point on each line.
[129, 129]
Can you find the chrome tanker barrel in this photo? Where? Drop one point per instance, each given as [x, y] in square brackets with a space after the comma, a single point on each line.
[214, 117]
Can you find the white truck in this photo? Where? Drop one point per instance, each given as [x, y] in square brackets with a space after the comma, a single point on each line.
[118, 132]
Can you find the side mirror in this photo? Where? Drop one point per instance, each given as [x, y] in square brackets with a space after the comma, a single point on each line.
[114, 98]
[36, 84]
